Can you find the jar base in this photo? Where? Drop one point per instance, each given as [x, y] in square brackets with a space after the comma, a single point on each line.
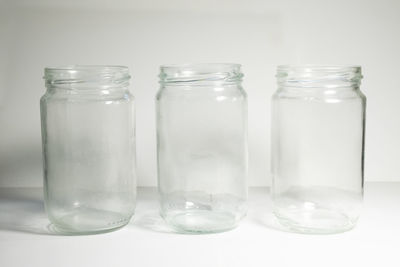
[316, 222]
[317, 209]
[201, 221]
[89, 221]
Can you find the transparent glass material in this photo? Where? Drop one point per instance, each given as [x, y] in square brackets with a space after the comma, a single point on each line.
[88, 134]
[202, 147]
[318, 148]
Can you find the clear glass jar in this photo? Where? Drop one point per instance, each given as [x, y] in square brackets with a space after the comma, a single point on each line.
[202, 147]
[318, 148]
[88, 134]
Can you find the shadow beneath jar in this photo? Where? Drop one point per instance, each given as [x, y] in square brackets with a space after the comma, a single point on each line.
[152, 221]
[22, 210]
[147, 216]
[261, 201]
[270, 221]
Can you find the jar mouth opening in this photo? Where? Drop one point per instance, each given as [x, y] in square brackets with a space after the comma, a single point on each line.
[200, 66]
[200, 73]
[319, 68]
[319, 76]
[73, 74]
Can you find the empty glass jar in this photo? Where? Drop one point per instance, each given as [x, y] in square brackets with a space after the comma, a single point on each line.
[202, 147]
[318, 148]
[88, 133]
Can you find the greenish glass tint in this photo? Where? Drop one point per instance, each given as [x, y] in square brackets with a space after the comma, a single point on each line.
[318, 126]
[88, 134]
[202, 147]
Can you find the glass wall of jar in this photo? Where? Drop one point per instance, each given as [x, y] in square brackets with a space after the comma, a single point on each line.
[88, 134]
[202, 147]
[318, 148]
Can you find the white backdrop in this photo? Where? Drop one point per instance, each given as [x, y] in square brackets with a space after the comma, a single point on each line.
[144, 34]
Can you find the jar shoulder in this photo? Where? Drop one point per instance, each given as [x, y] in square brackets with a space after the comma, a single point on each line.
[55, 96]
[190, 92]
[343, 94]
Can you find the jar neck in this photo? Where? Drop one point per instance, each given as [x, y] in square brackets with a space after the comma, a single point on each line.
[200, 75]
[87, 79]
[310, 77]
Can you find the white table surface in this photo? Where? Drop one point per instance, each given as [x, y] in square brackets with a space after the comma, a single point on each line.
[258, 241]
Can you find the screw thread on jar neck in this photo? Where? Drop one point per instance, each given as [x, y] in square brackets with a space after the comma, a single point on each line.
[316, 76]
[200, 74]
[87, 78]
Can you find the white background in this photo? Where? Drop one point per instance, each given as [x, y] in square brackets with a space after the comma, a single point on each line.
[144, 34]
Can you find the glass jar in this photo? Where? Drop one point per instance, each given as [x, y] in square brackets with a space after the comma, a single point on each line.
[202, 147]
[318, 148]
[88, 134]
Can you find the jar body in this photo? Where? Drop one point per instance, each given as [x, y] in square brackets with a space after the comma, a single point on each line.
[202, 154]
[89, 156]
[318, 150]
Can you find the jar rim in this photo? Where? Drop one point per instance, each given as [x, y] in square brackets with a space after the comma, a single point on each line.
[317, 67]
[73, 69]
[81, 67]
[200, 65]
